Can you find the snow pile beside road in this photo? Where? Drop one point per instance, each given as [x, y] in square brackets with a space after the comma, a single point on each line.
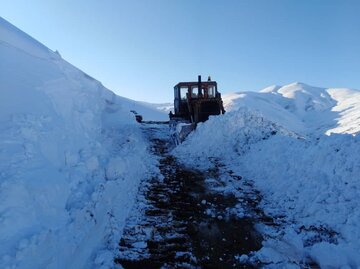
[233, 132]
[71, 158]
[315, 184]
[311, 185]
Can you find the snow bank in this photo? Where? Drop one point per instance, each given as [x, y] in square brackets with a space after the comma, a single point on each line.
[68, 149]
[311, 184]
[316, 185]
[232, 132]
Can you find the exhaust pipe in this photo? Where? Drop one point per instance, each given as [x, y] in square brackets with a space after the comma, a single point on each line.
[199, 85]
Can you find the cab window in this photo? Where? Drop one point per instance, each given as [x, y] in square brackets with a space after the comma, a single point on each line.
[194, 91]
[211, 91]
[183, 92]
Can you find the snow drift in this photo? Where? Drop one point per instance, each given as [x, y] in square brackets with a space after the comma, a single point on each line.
[68, 148]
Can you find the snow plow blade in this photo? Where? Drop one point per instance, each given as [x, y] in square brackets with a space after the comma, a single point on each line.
[180, 130]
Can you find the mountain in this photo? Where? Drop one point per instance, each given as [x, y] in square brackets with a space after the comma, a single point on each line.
[165, 107]
[302, 108]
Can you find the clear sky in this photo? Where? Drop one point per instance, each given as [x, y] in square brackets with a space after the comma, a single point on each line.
[141, 48]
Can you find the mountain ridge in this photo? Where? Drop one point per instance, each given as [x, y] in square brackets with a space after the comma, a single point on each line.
[303, 108]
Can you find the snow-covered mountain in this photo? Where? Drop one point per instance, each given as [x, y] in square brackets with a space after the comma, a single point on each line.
[303, 108]
[68, 147]
[165, 107]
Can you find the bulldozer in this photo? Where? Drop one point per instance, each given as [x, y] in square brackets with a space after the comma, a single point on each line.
[194, 102]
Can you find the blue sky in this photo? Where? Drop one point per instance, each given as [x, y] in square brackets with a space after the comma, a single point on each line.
[140, 49]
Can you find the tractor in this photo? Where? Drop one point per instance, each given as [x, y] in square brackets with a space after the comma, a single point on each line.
[194, 102]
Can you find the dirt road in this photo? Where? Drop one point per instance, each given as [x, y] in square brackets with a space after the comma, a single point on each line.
[182, 221]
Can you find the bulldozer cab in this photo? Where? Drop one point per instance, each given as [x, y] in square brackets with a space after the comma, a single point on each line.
[196, 101]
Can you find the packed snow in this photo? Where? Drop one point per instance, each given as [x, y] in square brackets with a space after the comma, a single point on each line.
[68, 148]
